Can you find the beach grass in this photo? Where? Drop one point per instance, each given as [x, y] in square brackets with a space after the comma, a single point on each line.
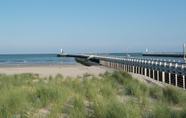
[109, 95]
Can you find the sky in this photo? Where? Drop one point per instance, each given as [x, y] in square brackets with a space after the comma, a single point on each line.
[92, 26]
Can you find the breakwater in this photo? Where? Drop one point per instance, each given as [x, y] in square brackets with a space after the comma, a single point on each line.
[164, 54]
[169, 72]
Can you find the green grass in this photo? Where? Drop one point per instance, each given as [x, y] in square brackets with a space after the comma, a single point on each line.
[109, 95]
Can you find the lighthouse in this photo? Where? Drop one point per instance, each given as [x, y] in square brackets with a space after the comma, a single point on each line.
[61, 51]
[146, 50]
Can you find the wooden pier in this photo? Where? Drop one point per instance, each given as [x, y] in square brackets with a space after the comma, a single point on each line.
[173, 73]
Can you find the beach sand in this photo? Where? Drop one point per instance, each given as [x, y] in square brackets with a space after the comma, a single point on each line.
[72, 70]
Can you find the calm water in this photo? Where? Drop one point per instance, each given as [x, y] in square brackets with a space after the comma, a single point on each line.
[12, 59]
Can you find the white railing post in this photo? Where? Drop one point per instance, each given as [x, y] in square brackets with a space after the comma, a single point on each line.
[163, 77]
[176, 76]
[183, 81]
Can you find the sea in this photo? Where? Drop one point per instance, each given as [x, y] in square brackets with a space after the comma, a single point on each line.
[34, 59]
[52, 59]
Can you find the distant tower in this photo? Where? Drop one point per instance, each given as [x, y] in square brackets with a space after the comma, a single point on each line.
[61, 51]
[184, 52]
[146, 50]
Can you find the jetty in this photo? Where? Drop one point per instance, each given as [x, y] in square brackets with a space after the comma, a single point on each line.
[164, 54]
[164, 71]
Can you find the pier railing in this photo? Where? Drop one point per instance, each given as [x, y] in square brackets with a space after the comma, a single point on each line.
[169, 72]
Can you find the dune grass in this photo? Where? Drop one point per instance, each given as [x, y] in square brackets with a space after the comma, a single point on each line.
[109, 95]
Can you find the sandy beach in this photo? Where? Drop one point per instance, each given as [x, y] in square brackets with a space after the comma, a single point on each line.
[72, 70]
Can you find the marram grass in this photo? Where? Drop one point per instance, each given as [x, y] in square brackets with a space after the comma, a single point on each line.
[110, 95]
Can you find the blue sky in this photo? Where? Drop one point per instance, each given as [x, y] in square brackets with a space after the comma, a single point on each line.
[45, 26]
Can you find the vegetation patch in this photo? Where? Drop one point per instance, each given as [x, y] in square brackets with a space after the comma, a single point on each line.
[109, 95]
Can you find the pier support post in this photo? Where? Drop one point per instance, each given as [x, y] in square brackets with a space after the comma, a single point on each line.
[169, 78]
[163, 77]
[133, 69]
[149, 72]
[176, 80]
[145, 73]
[157, 75]
[183, 82]
[153, 74]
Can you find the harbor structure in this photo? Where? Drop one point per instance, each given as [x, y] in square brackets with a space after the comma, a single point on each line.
[168, 72]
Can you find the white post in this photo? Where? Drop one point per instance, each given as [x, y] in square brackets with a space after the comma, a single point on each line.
[176, 79]
[163, 77]
[149, 73]
[183, 82]
[169, 78]
[141, 71]
[132, 69]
